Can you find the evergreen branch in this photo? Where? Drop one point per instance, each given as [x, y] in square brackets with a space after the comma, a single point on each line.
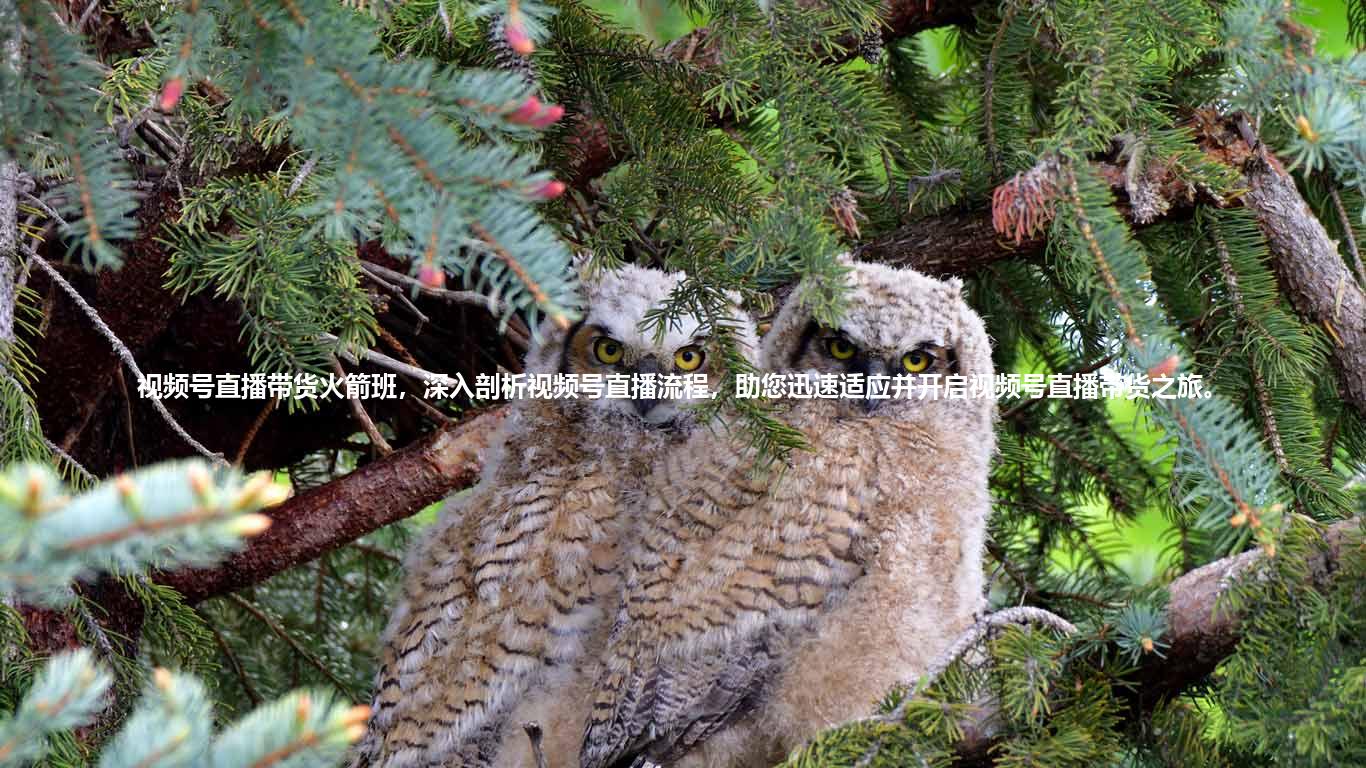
[124, 354]
[989, 87]
[1230, 277]
[322, 519]
[1102, 262]
[69, 692]
[170, 513]
[513, 264]
[293, 642]
[961, 243]
[594, 154]
[1202, 629]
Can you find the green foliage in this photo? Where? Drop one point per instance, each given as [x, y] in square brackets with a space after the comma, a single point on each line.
[293, 288]
[431, 152]
[171, 514]
[1313, 106]
[1294, 692]
[66, 694]
[307, 126]
[45, 126]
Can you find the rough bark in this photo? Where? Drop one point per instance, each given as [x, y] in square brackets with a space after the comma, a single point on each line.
[325, 518]
[951, 244]
[960, 243]
[9, 256]
[1311, 270]
[1200, 636]
[9, 207]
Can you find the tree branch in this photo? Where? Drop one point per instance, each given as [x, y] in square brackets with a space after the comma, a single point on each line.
[1311, 270]
[951, 244]
[322, 519]
[1198, 636]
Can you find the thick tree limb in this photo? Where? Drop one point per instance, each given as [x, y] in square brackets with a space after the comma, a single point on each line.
[1200, 636]
[1311, 270]
[959, 243]
[332, 515]
[951, 244]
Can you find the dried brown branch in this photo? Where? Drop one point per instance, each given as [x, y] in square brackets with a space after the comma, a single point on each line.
[324, 518]
[366, 423]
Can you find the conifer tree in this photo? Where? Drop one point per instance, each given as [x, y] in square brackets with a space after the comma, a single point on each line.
[1151, 188]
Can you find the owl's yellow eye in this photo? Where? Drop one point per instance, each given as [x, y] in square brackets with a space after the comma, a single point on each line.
[689, 358]
[608, 350]
[915, 362]
[839, 348]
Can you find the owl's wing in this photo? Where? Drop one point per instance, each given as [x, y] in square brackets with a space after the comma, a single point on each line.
[726, 572]
[498, 589]
[435, 593]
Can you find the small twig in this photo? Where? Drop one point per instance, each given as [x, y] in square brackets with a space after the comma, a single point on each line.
[256, 425]
[76, 465]
[384, 361]
[1347, 235]
[124, 353]
[302, 176]
[48, 209]
[87, 13]
[398, 293]
[1023, 614]
[293, 643]
[377, 552]
[1330, 442]
[94, 628]
[434, 413]
[234, 661]
[473, 298]
[397, 346]
[1235, 294]
[127, 418]
[358, 410]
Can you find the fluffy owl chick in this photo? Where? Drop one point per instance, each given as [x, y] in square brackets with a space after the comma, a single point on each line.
[759, 610]
[506, 589]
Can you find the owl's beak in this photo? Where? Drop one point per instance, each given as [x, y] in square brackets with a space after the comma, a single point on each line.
[644, 405]
[872, 368]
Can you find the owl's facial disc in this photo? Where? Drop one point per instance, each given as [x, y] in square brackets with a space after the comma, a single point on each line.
[607, 348]
[847, 350]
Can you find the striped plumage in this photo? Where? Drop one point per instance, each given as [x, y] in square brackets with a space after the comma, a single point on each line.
[506, 590]
[760, 609]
